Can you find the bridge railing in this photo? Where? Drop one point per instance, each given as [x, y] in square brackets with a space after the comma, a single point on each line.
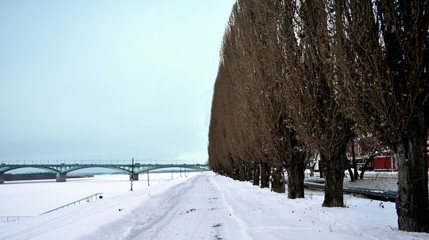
[86, 199]
[112, 161]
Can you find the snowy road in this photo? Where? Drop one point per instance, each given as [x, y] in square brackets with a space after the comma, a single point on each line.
[209, 206]
[194, 209]
[202, 212]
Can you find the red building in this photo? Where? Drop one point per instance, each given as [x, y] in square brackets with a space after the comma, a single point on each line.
[383, 161]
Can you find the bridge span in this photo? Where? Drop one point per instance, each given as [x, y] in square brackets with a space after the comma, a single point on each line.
[62, 169]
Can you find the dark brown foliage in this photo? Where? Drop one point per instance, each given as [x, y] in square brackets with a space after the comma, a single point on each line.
[301, 76]
[381, 50]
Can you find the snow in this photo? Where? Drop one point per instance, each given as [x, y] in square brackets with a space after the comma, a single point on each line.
[201, 206]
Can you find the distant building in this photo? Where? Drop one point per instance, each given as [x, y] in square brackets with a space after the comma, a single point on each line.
[385, 160]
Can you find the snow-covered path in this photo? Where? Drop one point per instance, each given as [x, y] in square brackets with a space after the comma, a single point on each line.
[197, 211]
[194, 209]
[209, 206]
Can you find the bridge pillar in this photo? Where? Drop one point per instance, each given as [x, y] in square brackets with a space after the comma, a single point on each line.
[134, 176]
[1, 177]
[61, 177]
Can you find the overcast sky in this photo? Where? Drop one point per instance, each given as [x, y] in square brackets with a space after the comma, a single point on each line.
[103, 80]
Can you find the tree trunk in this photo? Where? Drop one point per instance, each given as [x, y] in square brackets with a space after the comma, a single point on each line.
[236, 174]
[312, 169]
[334, 176]
[356, 173]
[278, 180]
[256, 174]
[412, 201]
[367, 161]
[243, 172]
[264, 175]
[295, 179]
[249, 175]
[321, 167]
[347, 166]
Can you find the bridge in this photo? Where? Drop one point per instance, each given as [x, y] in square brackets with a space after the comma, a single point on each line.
[61, 169]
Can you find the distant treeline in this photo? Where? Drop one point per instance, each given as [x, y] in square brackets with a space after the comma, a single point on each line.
[39, 176]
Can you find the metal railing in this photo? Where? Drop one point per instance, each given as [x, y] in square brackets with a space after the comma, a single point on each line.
[86, 199]
[5, 219]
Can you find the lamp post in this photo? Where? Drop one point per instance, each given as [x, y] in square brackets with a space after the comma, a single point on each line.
[132, 173]
[147, 172]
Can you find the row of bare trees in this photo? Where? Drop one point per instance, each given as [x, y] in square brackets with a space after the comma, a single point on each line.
[300, 76]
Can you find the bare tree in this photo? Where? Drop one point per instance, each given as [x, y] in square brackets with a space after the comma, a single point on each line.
[254, 114]
[234, 108]
[382, 55]
[316, 117]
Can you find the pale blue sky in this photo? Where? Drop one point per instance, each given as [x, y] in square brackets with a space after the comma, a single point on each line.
[89, 80]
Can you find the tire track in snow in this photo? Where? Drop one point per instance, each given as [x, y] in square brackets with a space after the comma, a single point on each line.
[141, 219]
[194, 209]
[242, 227]
[199, 212]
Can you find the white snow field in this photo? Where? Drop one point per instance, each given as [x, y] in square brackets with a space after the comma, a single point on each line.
[201, 206]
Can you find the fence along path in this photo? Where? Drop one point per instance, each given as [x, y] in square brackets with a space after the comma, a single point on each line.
[87, 199]
[5, 219]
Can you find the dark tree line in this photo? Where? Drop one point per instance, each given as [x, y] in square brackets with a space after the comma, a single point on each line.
[298, 77]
